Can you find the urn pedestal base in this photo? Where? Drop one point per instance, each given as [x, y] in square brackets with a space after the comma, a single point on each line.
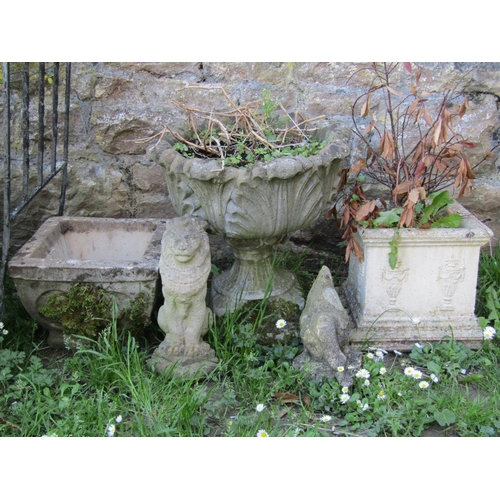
[253, 277]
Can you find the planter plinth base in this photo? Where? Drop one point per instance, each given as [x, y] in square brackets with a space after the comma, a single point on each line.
[394, 330]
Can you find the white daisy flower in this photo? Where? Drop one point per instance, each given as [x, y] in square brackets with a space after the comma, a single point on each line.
[370, 355]
[409, 371]
[344, 398]
[366, 407]
[417, 374]
[340, 369]
[259, 407]
[383, 370]
[359, 404]
[345, 390]
[262, 434]
[281, 323]
[424, 384]
[379, 354]
[325, 418]
[118, 419]
[110, 431]
[381, 396]
[489, 333]
[366, 383]
[363, 373]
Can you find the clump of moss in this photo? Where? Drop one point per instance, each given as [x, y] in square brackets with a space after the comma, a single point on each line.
[84, 310]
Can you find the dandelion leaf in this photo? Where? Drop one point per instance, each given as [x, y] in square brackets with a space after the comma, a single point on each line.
[433, 367]
[493, 303]
[445, 417]
[389, 218]
[451, 220]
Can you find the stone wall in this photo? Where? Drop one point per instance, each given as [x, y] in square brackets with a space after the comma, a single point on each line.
[115, 104]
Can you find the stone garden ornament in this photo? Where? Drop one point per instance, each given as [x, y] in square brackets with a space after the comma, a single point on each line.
[184, 317]
[118, 256]
[255, 207]
[324, 328]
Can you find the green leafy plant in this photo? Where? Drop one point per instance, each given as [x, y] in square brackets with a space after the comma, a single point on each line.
[431, 212]
[492, 306]
[446, 358]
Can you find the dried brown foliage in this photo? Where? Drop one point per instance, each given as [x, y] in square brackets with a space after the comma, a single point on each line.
[247, 132]
[413, 151]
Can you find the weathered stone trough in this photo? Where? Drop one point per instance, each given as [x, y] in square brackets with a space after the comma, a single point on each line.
[120, 256]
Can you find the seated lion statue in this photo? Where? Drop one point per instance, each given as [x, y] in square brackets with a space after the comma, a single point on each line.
[184, 317]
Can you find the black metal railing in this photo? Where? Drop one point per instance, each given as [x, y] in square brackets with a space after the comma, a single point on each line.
[45, 170]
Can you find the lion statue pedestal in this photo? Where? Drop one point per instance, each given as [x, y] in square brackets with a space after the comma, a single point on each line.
[184, 317]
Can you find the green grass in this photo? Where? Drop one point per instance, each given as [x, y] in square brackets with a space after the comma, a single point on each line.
[489, 276]
[82, 393]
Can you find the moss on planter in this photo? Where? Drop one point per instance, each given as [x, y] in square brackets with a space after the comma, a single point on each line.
[85, 310]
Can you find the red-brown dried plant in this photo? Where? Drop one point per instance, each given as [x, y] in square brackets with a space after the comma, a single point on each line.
[413, 152]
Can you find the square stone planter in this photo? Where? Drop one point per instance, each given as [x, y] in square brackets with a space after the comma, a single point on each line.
[430, 294]
[120, 256]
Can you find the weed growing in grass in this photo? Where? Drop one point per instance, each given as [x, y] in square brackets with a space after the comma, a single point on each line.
[23, 334]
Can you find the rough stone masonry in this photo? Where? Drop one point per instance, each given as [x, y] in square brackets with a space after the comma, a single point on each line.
[115, 104]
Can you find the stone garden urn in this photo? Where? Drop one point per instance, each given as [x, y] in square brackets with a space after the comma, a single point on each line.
[254, 208]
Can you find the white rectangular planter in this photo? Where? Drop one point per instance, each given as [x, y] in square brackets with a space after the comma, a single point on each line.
[431, 292]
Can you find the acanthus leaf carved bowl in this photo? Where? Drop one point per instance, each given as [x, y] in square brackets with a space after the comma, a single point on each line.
[254, 207]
